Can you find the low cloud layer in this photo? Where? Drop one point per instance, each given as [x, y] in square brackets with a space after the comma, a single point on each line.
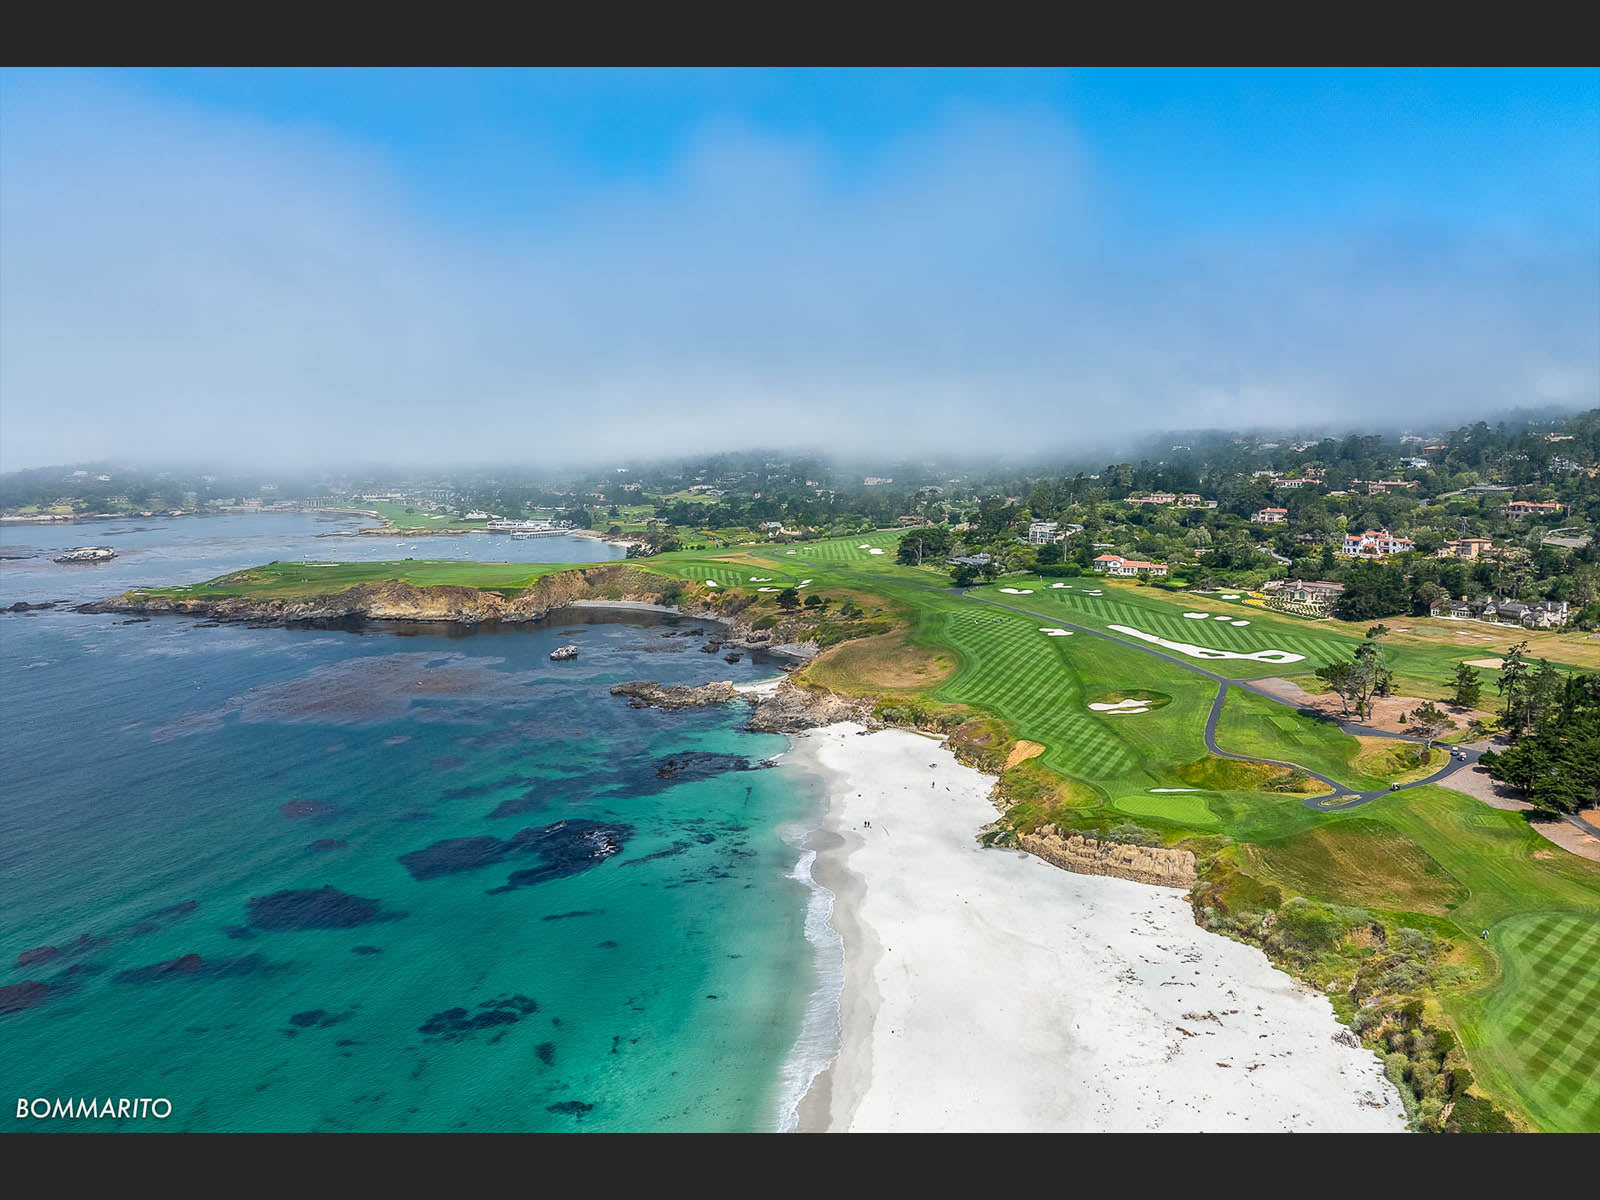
[184, 285]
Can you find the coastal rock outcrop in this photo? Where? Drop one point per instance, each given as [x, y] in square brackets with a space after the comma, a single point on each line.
[645, 694]
[789, 708]
[1090, 856]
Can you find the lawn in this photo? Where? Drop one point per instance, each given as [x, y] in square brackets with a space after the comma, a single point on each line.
[293, 580]
[1542, 1024]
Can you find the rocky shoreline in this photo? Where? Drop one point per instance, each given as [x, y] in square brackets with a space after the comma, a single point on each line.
[786, 708]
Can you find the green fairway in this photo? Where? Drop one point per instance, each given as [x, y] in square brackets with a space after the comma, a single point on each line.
[1543, 1022]
[1257, 727]
[292, 580]
[1179, 808]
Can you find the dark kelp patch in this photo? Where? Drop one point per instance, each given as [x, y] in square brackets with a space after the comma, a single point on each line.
[310, 908]
[564, 848]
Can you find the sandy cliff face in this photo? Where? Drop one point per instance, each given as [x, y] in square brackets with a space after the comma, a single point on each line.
[1088, 856]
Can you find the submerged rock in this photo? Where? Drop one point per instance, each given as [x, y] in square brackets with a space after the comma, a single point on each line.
[564, 848]
[39, 954]
[14, 997]
[310, 908]
[163, 917]
[453, 1024]
[192, 965]
[304, 807]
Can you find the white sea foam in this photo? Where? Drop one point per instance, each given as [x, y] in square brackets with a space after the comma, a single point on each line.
[818, 1044]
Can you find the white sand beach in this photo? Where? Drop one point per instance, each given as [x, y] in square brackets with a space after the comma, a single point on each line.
[987, 990]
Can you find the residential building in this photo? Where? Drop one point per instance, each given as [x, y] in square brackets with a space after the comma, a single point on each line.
[1270, 516]
[1115, 564]
[1472, 547]
[1375, 543]
[1532, 508]
[1041, 533]
[1153, 498]
[1194, 500]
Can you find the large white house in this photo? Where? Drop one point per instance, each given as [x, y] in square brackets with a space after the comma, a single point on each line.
[1115, 564]
[1270, 516]
[1375, 543]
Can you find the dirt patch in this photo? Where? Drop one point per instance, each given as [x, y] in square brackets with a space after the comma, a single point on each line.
[1488, 664]
[1386, 710]
[1475, 782]
[1563, 834]
[1022, 751]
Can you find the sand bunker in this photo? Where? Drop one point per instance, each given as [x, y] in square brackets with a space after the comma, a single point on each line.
[1161, 790]
[1230, 595]
[1197, 616]
[875, 550]
[1060, 585]
[761, 579]
[712, 583]
[1017, 591]
[1490, 664]
[1241, 624]
[804, 583]
[769, 589]
[1222, 617]
[1122, 707]
[1266, 656]
[1053, 631]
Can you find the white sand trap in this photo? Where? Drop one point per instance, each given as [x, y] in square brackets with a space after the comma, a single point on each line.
[804, 583]
[1060, 585]
[1230, 595]
[1164, 790]
[1053, 631]
[1094, 592]
[769, 589]
[1222, 617]
[1197, 616]
[1240, 624]
[761, 579]
[1489, 664]
[788, 551]
[712, 583]
[1017, 591]
[1267, 656]
[863, 546]
[1122, 706]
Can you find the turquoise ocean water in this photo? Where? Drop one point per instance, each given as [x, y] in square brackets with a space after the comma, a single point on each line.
[433, 880]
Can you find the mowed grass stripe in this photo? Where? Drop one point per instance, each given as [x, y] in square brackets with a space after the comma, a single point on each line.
[1021, 675]
[1550, 1017]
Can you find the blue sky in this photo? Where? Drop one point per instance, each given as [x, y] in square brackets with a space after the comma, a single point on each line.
[883, 248]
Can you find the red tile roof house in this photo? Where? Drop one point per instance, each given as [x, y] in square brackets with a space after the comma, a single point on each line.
[1115, 564]
[1270, 516]
[1531, 508]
